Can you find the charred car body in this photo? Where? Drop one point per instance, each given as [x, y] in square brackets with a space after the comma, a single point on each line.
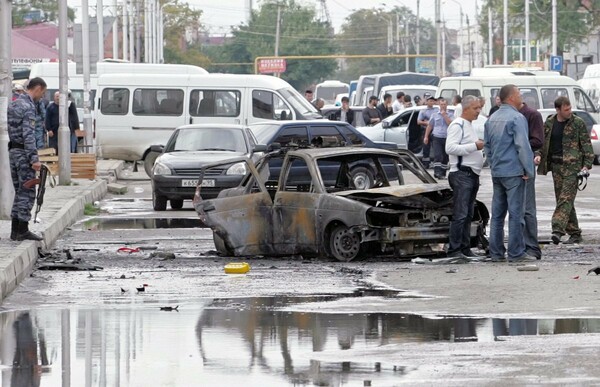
[314, 209]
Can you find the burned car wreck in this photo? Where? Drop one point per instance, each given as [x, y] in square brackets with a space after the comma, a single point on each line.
[303, 201]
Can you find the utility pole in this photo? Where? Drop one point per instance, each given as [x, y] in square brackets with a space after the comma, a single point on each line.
[471, 56]
[406, 42]
[505, 32]
[125, 30]
[527, 42]
[398, 33]
[418, 28]
[438, 51]
[161, 32]
[277, 29]
[100, 20]
[554, 30]
[444, 48]
[85, 53]
[131, 25]
[138, 33]
[115, 31]
[7, 192]
[64, 134]
[490, 37]
[146, 32]
[154, 33]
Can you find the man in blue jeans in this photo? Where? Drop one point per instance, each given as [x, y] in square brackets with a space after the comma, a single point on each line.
[506, 144]
[463, 147]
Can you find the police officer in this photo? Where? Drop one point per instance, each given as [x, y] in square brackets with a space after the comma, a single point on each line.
[23, 156]
[567, 151]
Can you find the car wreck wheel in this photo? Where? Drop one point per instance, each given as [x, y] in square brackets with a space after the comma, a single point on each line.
[176, 204]
[344, 244]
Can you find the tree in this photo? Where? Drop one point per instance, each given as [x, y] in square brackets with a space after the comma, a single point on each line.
[27, 12]
[300, 34]
[576, 20]
[366, 32]
[181, 29]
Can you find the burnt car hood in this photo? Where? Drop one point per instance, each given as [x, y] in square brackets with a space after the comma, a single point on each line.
[196, 158]
[429, 195]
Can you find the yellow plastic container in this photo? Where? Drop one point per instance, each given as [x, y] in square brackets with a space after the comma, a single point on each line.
[237, 268]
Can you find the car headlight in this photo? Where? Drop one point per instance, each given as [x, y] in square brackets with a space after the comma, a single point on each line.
[237, 169]
[160, 169]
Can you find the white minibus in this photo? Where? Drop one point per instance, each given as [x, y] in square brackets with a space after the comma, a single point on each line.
[137, 111]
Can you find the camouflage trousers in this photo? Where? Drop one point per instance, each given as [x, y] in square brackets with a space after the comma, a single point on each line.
[21, 171]
[40, 138]
[564, 219]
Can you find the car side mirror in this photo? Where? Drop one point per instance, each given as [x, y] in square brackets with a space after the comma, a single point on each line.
[260, 148]
[274, 147]
[385, 124]
[157, 148]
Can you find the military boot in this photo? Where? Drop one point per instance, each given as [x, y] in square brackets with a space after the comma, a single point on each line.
[14, 227]
[24, 233]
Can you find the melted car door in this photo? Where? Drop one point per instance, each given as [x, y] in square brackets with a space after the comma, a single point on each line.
[295, 208]
[242, 216]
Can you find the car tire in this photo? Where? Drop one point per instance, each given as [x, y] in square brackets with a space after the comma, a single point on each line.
[149, 162]
[176, 204]
[343, 244]
[596, 161]
[362, 178]
[159, 203]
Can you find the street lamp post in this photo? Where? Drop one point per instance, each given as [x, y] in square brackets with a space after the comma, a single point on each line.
[461, 35]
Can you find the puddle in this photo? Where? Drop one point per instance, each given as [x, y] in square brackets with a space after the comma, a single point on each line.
[249, 342]
[106, 224]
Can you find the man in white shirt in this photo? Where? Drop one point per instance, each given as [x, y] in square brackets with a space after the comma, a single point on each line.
[399, 102]
[466, 161]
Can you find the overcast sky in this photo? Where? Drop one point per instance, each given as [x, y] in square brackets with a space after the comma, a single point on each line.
[219, 16]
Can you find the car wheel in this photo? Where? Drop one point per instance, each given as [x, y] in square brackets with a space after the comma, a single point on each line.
[596, 161]
[149, 162]
[159, 203]
[362, 178]
[176, 204]
[343, 244]
[221, 247]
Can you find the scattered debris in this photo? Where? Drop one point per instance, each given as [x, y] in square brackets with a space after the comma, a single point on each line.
[142, 288]
[123, 290]
[163, 255]
[594, 270]
[170, 308]
[147, 248]
[122, 276]
[72, 266]
[443, 261]
[351, 270]
[528, 268]
[237, 268]
[576, 277]
[452, 271]
[128, 250]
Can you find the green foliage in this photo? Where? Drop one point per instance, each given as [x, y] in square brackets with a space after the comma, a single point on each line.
[20, 8]
[179, 20]
[90, 210]
[576, 20]
[366, 32]
[300, 34]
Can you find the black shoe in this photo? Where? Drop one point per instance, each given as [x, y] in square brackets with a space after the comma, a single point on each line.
[556, 237]
[574, 238]
[23, 233]
[523, 258]
[14, 226]
[456, 254]
[469, 253]
[499, 259]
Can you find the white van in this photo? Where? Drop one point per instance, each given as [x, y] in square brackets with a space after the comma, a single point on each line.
[412, 90]
[591, 82]
[50, 71]
[329, 90]
[137, 111]
[539, 91]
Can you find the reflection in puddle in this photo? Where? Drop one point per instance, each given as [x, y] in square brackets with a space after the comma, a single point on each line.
[105, 224]
[248, 342]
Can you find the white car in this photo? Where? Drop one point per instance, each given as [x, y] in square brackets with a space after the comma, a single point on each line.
[396, 127]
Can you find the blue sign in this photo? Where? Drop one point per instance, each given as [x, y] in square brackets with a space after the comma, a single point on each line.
[556, 63]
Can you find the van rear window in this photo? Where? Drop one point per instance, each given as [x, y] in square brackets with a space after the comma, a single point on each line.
[114, 101]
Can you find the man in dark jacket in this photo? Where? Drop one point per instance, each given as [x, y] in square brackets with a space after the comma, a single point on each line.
[344, 114]
[52, 123]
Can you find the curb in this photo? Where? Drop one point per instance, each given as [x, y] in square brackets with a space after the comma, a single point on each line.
[18, 263]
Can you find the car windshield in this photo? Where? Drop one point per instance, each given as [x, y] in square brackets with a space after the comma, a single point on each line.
[217, 139]
[299, 103]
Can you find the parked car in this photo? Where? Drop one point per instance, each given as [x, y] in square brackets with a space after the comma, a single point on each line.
[590, 122]
[320, 133]
[396, 127]
[405, 213]
[176, 170]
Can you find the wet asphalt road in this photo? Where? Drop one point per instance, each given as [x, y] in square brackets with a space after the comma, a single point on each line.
[252, 329]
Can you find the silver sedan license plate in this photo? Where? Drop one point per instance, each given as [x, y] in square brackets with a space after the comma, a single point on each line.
[193, 183]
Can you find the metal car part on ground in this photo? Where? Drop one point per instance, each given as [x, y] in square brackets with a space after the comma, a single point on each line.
[313, 209]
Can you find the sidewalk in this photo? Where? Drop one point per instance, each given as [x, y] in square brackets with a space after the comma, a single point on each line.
[63, 205]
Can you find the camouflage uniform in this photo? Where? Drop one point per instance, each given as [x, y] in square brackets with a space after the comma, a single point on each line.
[40, 130]
[577, 154]
[22, 154]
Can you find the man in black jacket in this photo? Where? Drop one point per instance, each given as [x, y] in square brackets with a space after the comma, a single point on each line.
[344, 114]
[52, 123]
